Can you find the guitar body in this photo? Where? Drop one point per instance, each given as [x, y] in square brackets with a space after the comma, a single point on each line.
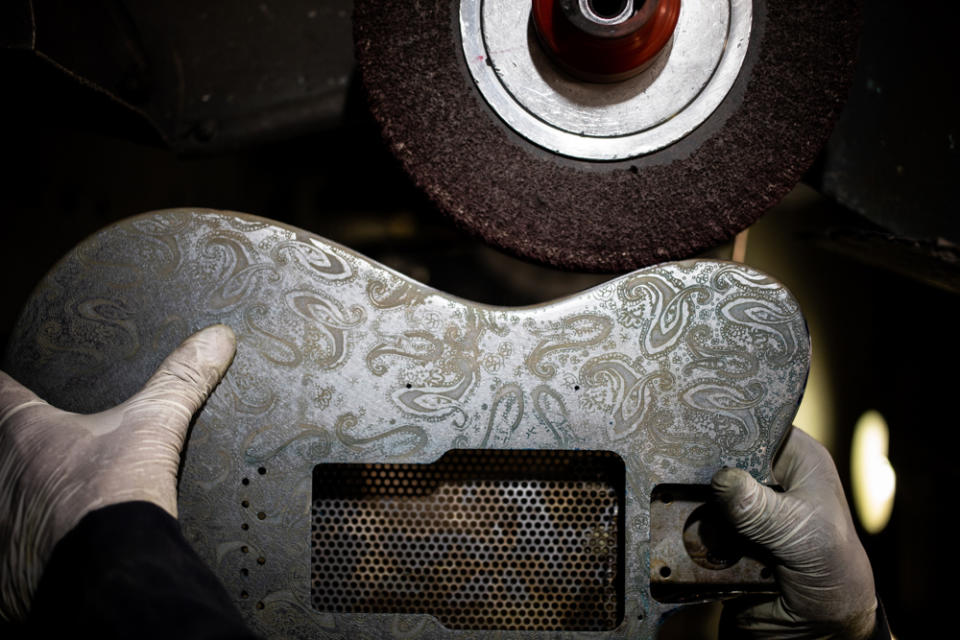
[346, 369]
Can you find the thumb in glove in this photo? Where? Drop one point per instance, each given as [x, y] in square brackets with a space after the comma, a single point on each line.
[825, 579]
[56, 466]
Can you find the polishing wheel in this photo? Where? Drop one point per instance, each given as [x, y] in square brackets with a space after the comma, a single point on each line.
[606, 135]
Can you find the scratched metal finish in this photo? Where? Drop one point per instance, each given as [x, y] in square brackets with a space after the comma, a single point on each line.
[679, 368]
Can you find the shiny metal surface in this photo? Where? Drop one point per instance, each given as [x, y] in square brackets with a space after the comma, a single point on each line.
[595, 121]
[678, 369]
[585, 16]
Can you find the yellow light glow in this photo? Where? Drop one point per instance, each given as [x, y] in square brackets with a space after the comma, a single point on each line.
[815, 415]
[873, 477]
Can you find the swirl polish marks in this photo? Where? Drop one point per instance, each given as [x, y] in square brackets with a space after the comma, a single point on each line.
[679, 369]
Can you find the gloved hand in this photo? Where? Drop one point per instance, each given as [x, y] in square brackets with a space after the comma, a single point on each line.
[55, 466]
[824, 575]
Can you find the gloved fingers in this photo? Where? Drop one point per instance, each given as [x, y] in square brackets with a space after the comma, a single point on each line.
[804, 463]
[14, 397]
[766, 517]
[825, 579]
[772, 617]
[143, 437]
[182, 382]
[747, 504]
[760, 617]
[55, 467]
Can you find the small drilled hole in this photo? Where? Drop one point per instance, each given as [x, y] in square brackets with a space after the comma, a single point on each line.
[244, 526]
[261, 515]
[245, 503]
[665, 572]
[262, 470]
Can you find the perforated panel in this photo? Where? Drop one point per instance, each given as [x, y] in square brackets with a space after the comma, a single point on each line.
[481, 539]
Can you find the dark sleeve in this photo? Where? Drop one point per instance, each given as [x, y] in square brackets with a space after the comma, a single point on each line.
[126, 571]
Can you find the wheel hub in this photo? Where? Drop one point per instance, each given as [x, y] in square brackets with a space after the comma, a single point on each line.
[668, 79]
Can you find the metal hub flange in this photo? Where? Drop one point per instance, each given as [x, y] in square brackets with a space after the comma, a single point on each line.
[678, 90]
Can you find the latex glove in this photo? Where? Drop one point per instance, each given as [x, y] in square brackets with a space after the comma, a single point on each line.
[56, 466]
[825, 579]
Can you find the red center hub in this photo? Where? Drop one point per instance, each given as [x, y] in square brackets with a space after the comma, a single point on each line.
[604, 53]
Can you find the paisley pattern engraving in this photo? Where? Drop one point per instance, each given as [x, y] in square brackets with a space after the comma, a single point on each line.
[154, 245]
[571, 332]
[766, 318]
[421, 346]
[310, 442]
[552, 413]
[388, 294]
[679, 369]
[660, 307]
[731, 363]
[733, 275]
[438, 402]
[629, 393]
[730, 402]
[504, 418]
[279, 351]
[328, 322]
[314, 258]
[237, 275]
[243, 396]
[407, 440]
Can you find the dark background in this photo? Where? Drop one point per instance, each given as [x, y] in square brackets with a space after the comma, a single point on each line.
[272, 121]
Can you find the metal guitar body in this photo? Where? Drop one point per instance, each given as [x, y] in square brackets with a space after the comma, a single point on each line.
[383, 460]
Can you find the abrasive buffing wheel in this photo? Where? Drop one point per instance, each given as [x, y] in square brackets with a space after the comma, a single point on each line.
[605, 135]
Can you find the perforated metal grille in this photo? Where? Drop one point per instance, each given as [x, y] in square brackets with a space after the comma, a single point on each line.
[481, 539]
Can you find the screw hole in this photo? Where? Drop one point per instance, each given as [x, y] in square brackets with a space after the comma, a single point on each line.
[665, 572]
[261, 516]
[765, 573]
[245, 481]
[245, 503]
[262, 470]
[244, 526]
